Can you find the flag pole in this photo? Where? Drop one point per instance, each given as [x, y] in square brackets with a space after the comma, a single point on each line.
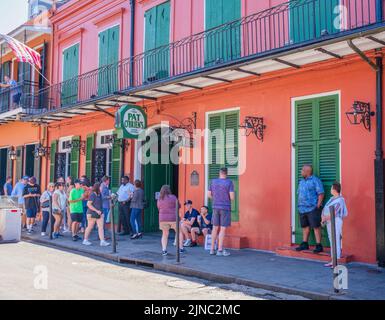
[38, 71]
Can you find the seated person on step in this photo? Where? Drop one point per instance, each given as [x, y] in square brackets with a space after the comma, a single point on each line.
[204, 221]
[189, 227]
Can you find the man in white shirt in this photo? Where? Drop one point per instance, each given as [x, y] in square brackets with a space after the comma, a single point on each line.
[125, 192]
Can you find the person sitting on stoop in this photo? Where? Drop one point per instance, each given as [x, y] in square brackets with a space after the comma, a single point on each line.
[189, 227]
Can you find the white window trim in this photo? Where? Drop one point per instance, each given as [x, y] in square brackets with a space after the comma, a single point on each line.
[61, 140]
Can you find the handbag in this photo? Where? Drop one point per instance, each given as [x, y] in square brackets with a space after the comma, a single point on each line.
[45, 204]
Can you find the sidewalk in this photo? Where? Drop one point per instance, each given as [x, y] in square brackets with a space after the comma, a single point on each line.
[246, 267]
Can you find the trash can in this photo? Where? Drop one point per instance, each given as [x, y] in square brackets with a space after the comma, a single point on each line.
[10, 220]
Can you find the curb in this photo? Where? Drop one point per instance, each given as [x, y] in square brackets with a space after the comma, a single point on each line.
[185, 271]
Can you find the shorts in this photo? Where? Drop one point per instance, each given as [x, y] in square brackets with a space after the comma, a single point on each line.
[77, 217]
[31, 213]
[164, 225]
[16, 98]
[221, 218]
[311, 219]
[57, 211]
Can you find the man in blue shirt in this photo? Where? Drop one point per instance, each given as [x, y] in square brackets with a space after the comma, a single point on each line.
[16, 91]
[189, 224]
[310, 197]
[8, 186]
[18, 192]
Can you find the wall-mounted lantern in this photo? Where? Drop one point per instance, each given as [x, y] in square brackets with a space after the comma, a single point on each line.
[360, 113]
[254, 125]
[41, 151]
[12, 154]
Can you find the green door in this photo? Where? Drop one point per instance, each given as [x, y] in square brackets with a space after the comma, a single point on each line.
[223, 151]
[317, 142]
[108, 61]
[223, 44]
[70, 73]
[157, 34]
[156, 174]
[311, 19]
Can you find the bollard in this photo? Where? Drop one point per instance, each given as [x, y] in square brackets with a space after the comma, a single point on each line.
[334, 246]
[177, 231]
[112, 220]
[51, 218]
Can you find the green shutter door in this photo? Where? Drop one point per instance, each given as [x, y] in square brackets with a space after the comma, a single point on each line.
[224, 44]
[75, 156]
[9, 164]
[108, 57]
[70, 72]
[37, 166]
[157, 34]
[317, 143]
[309, 19]
[224, 151]
[19, 162]
[90, 144]
[52, 160]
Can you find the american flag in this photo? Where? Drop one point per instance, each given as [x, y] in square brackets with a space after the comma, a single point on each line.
[22, 52]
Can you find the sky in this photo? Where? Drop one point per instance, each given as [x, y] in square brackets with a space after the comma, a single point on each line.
[13, 13]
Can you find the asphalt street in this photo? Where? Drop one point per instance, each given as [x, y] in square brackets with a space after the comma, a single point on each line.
[30, 271]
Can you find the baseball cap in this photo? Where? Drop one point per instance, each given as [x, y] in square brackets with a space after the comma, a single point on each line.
[77, 181]
[25, 178]
[188, 202]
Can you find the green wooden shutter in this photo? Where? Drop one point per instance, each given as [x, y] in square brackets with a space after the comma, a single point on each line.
[157, 34]
[54, 145]
[309, 19]
[90, 144]
[9, 164]
[317, 143]
[225, 44]
[19, 162]
[37, 166]
[224, 151]
[70, 71]
[116, 166]
[75, 157]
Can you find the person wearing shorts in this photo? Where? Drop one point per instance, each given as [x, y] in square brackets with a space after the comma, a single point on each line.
[166, 204]
[31, 194]
[310, 197]
[18, 192]
[221, 192]
[189, 227]
[76, 208]
[204, 221]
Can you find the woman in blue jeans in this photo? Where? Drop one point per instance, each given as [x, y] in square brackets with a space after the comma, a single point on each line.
[44, 202]
[137, 206]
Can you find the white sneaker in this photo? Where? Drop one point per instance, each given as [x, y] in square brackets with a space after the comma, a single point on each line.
[187, 243]
[174, 243]
[104, 243]
[43, 234]
[87, 243]
[66, 230]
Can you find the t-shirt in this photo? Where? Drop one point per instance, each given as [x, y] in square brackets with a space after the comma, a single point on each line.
[8, 188]
[220, 189]
[18, 192]
[97, 202]
[31, 202]
[167, 208]
[75, 194]
[190, 215]
[204, 225]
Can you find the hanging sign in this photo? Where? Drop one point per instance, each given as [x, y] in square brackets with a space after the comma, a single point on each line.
[131, 120]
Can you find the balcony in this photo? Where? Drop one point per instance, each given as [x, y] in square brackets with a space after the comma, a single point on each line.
[289, 35]
[16, 102]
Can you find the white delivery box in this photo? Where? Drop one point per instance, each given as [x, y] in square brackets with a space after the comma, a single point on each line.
[10, 220]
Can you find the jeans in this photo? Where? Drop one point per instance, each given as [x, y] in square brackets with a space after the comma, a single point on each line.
[105, 212]
[124, 217]
[339, 224]
[84, 216]
[136, 220]
[45, 221]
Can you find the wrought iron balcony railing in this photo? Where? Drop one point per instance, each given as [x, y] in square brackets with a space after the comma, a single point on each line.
[18, 96]
[286, 26]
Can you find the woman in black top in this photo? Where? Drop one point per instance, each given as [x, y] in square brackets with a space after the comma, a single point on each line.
[95, 215]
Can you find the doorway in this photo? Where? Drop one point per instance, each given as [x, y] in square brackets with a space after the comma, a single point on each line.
[158, 172]
[316, 142]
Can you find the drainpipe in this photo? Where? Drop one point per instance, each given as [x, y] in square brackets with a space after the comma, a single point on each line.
[379, 168]
[379, 10]
[132, 41]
